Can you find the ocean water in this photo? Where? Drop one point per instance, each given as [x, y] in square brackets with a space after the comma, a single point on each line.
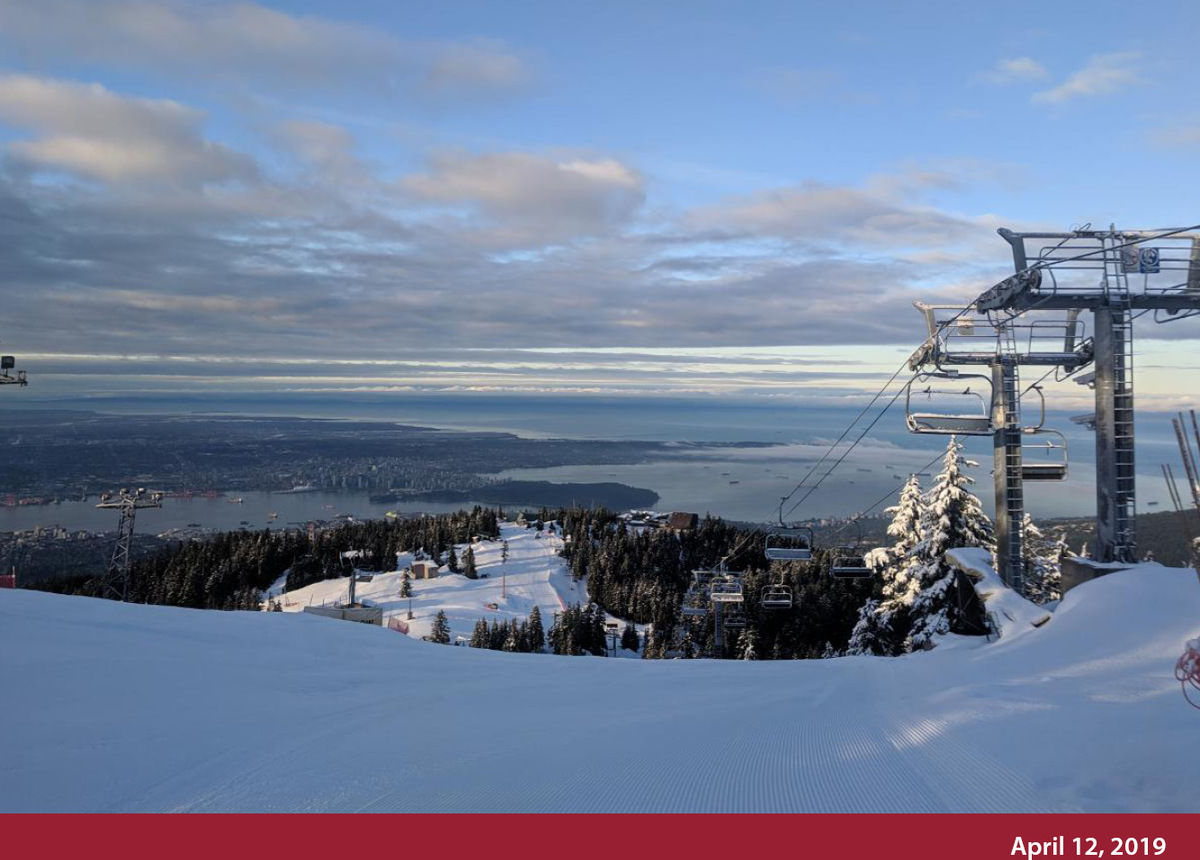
[705, 475]
[293, 510]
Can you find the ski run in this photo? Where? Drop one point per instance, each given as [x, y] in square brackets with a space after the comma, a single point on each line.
[533, 575]
[117, 707]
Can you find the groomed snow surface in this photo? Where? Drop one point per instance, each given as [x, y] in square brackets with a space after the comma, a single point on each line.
[534, 575]
[110, 707]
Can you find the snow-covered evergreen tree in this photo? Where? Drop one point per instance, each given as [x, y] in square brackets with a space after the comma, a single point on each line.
[1062, 549]
[469, 569]
[905, 526]
[480, 637]
[536, 634]
[953, 518]
[687, 647]
[511, 641]
[441, 629]
[1041, 557]
[875, 632]
[749, 645]
[918, 583]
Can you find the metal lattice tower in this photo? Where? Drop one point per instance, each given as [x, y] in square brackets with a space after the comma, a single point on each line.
[1089, 270]
[969, 339]
[7, 363]
[1009, 483]
[116, 577]
[708, 595]
[719, 630]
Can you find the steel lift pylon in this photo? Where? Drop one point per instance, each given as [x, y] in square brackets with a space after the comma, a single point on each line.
[116, 577]
[961, 337]
[1115, 275]
[17, 377]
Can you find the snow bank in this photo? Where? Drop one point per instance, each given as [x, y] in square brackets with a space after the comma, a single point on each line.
[119, 708]
[1013, 614]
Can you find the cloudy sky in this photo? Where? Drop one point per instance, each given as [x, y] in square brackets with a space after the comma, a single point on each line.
[723, 198]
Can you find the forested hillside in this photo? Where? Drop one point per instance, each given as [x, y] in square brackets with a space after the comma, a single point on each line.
[233, 569]
[642, 575]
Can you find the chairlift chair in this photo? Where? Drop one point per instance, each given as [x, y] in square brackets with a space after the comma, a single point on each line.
[735, 620]
[726, 590]
[850, 562]
[695, 602]
[970, 414]
[1046, 460]
[789, 543]
[776, 597]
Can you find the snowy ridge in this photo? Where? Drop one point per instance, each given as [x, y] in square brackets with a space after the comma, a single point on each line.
[121, 707]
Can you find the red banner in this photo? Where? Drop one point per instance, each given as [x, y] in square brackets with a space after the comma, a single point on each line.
[895, 837]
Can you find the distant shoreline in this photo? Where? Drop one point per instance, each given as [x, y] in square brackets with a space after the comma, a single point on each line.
[611, 495]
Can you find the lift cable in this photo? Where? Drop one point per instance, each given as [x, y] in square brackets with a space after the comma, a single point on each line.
[842, 438]
[846, 432]
[889, 494]
[845, 454]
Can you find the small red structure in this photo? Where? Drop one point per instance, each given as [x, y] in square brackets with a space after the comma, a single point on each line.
[8, 580]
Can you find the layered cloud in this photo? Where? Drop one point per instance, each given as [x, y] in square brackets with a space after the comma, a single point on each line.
[883, 213]
[87, 130]
[524, 198]
[249, 42]
[187, 247]
[301, 247]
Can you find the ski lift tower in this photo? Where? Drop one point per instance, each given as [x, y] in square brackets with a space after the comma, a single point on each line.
[1117, 276]
[116, 578]
[17, 377]
[964, 337]
[725, 592]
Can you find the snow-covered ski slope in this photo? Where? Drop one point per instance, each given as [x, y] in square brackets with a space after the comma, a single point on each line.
[534, 575]
[121, 708]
